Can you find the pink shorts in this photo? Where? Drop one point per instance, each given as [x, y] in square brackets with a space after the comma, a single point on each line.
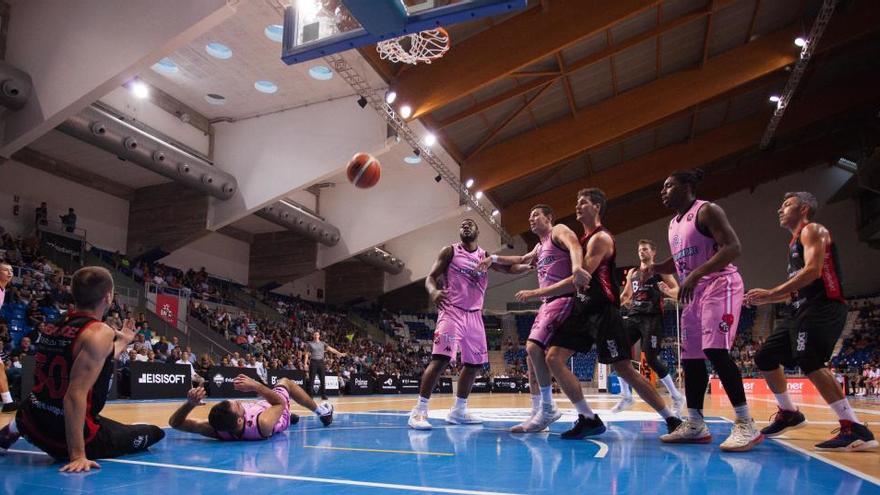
[284, 421]
[710, 320]
[551, 314]
[461, 330]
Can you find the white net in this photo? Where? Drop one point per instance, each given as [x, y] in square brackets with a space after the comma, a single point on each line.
[417, 47]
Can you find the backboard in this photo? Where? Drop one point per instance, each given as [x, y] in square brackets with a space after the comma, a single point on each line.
[315, 28]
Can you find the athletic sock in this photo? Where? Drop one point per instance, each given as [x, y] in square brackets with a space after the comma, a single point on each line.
[670, 386]
[695, 416]
[460, 403]
[784, 401]
[536, 401]
[547, 394]
[6, 396]
[583, 408]
[625, 391]
[742, 412]
[423, 403]
[322, 409]
[665, 413]
[844, 411]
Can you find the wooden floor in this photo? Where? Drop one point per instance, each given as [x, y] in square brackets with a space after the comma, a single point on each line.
[822, 419]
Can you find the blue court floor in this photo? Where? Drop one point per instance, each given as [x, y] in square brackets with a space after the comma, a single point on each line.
[375, 453]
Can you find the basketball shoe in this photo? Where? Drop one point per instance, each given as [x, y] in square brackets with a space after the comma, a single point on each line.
[851, 437]
[783, 421]
[688, 432]
[744, 436]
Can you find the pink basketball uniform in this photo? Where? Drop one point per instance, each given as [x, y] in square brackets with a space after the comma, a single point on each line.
[252, 411]
[553, 264]
[710, 320]
[460, 319]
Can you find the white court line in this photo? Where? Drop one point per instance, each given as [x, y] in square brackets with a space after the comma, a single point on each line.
[821, 406]
[603, 448]
[332, 481]
[818, 457]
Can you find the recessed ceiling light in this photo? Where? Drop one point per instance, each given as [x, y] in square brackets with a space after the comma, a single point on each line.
[218, 50]
[140, 90]
[321, 72]
[215, 99]
[413, 159]
[166, 66]
[274, 32]
[267, 87]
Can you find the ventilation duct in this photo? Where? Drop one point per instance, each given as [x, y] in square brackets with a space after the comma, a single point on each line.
[15, 87]
[299, 220]
[106, 131]
[383, 260]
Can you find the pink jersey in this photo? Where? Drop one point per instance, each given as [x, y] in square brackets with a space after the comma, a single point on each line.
[553, 262]
[690, 247]
[465, 284]
[252, 411]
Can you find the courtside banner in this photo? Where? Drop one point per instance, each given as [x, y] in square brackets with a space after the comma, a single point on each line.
[220, 379]
[444, 385]
[160, 380]
[360, 385]
[409, 384]
[756, 386]
[387, 384]
[505, 385]
[296, 376]
[481, 386]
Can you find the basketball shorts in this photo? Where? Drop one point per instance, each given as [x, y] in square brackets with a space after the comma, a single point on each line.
[710, 320]
[602, 326]
[551, 314]
[284, 421]
[645, 327]
[807, 340]
[461, 330]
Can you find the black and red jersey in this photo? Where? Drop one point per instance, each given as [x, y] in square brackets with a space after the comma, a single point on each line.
[646, 296]
[604, 287]
[828, 286]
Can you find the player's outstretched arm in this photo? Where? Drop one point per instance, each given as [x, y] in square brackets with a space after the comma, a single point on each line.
[180, 421]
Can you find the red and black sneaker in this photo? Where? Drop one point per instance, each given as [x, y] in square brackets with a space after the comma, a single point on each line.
[851, 437]
[784, 421]
[7, 438]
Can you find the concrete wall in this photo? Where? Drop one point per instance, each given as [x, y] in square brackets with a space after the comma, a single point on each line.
[220, 255]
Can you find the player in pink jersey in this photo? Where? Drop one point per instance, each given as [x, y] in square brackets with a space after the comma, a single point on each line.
[8, 404]
[248, 420]
[557, 256]
[459, 322]
[703, 245]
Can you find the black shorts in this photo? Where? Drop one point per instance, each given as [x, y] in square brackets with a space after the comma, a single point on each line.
[647, 328]
[602, 326]
[807, 340]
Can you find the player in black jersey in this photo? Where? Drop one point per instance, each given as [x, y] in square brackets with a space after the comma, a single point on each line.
[814, 290]
[74, 366]
[642, 297]
[595, 319]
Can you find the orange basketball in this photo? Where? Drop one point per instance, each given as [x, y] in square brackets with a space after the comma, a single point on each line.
[364, 170]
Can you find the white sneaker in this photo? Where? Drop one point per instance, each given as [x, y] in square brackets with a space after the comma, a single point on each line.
[521, 428]
[744, 436]
[624, 404]
[678, 405]
[541, 421]
[462, 417]
[688, 432]
[418, 420]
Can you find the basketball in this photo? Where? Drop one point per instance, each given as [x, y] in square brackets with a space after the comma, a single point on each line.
[364, 170]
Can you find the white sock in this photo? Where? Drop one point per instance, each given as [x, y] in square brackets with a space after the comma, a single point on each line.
[742, 412]
[7, 397]
[322, 409]
[670, 386]
[695, 415]
[13, 428]
[784, 401]
[536, 401]
[423, 403]
[625, 391]
[844, 411]
[583, 408]
[547, 394]
[460, 403]
[666, 413]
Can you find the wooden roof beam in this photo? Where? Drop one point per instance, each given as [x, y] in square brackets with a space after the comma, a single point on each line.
[495, 100]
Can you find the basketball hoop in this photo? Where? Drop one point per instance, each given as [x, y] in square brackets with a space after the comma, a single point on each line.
[424, 46]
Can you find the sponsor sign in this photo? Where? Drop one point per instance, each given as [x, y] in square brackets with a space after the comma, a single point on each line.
[166, 308]
[756, 386]
[444, 385]
[481, 386]
[160, 380]
[361, 385]
[220, 381]
[506, 385]
[409, 384]
[387, 384]
[296, 376]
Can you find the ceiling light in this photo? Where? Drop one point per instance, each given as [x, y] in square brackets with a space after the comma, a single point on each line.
[800, 42]
[321, 72]
[495, 212]
[478, 194]
[218, 50]
[469, 183]
[390, 96]
[267, 87]
[413, 159]
[775, 99]
[140, 90]
[274, 32]
[362, 102]
[166, 66]
[430, 139]
[405, 111]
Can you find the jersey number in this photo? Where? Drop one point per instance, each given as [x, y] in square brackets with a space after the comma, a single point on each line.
[57, 378]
